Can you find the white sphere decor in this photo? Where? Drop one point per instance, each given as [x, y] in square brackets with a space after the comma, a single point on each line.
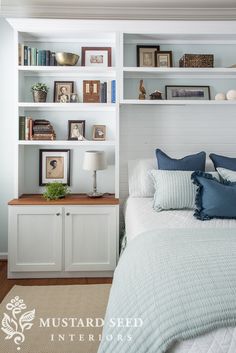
[231, 95]
[220, 97]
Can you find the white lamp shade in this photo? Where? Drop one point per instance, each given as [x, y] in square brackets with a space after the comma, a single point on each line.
[94, 160]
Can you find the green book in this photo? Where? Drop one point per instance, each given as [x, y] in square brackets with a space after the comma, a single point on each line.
[22, 128]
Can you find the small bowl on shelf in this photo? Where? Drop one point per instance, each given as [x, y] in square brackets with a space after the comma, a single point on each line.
[67, 59]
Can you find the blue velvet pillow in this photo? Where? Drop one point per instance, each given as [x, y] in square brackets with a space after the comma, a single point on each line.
[214, 199]
[223, 162]
[190, 163]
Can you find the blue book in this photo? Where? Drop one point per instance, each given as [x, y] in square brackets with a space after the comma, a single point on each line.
[44, 57]
[40, 58]
[25, 55]
[113, 91]
[48, 57]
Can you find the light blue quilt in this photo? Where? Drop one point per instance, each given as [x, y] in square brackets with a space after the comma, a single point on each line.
[171, 285]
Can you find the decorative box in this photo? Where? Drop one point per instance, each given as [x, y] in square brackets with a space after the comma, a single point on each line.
[197, 60]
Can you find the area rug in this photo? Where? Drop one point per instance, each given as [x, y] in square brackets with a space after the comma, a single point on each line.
[53, 319]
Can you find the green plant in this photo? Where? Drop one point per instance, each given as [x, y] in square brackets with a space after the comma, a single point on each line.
[40, 87]
[55, 191]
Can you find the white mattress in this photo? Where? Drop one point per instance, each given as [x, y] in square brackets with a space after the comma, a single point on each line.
[140, 217]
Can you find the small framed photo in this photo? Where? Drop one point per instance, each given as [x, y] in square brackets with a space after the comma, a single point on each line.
[99, 132]
[76, 129]
[96, 56]
[188, 92]
[74, 98]
[146, 55]
[63, 91]
[54, 165]
[164, 58]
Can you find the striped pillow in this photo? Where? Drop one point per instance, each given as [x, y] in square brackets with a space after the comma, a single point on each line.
[174, 189]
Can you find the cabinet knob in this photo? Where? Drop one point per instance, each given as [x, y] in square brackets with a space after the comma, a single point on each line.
[58, 214]
[68, 213]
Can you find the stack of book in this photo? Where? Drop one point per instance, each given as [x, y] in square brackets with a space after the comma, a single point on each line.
[30, 129]
[108, 92]
[36, 57]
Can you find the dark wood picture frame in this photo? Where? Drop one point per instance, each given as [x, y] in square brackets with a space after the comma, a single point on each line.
[69, 128]
[85, 49]
[186, 86]
[169, 53]
[157, 47]
[55, 89]
[41, 151]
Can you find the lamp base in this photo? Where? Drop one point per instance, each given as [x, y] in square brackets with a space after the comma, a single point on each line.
[95, 195]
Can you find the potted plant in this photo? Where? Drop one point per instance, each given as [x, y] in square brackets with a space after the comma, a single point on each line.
[55, 191]
[39, 91]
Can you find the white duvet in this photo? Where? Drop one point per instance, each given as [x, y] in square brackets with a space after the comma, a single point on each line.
[140, 217]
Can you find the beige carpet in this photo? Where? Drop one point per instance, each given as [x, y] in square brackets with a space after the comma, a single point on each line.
[75, 304]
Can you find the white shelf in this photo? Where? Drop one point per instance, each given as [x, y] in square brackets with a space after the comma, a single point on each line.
[177, 102]
[67, 143]
[153, 72]
[81, 71]
[69, 106]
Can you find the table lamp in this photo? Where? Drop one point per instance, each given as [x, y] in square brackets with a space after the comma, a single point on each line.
[94, 160]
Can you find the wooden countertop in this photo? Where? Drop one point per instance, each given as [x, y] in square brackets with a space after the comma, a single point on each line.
[73, 199]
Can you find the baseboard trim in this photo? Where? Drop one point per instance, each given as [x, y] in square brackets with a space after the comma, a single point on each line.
[3, 255]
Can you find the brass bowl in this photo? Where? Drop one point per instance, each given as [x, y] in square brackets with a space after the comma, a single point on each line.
[67, 59]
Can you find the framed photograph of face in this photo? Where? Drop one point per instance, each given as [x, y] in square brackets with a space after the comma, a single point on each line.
[146, 55]
[188, 92]
[76, 129]
[54, 165]
[63, 91]
[96, 56]
[164, 58]
[99, 132]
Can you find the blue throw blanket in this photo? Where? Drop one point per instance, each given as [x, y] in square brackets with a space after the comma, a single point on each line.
[170, 286]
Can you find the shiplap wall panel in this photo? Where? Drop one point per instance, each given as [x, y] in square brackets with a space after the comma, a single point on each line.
[178, 130]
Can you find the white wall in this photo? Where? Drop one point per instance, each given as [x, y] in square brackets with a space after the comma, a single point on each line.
[6, 119]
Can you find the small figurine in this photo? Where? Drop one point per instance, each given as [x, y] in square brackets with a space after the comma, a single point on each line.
[155, 95]
[142, 90]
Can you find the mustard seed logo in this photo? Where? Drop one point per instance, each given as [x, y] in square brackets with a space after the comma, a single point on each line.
[17, 322]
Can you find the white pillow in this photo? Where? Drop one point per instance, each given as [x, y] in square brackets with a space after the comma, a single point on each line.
[140, 182]
[227, 174]
[174, 189]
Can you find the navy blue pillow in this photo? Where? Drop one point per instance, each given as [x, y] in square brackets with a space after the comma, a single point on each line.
[190, 163]
[223, 162]
[214, 199]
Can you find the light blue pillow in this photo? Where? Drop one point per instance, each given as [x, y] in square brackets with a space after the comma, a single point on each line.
[227, 174]
[192, 162]
[214, 199]
[223, 161]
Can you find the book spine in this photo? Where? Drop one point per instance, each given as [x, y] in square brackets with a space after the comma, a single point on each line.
[48, 57]
[102, 94]
[109, 91]
[25, 55]
[30, 128]
[52, 59]
[26, 129]
[113, 91]
[44, 57]
[105, 92]
[33, 56]
[19, 54]
[39, 57]
[22, 128]
[29, 56]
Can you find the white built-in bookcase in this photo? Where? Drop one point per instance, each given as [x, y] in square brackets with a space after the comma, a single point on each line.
[141, 121]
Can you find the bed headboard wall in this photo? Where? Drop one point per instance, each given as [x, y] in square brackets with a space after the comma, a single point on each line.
[178, 130]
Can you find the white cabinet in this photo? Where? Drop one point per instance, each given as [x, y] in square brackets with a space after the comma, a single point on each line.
[90, 244]
[62, 241]
[35, 239]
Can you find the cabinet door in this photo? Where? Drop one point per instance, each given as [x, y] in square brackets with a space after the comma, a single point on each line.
[90, 238]
[35, 238]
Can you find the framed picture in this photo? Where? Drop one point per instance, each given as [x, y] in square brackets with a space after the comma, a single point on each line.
[99, 132]
[146, 55]
[164, 58]
[91, 91]
[188, 92]
[76, 129]
[74, 98]
[96, 56]
[54, 165]
[63, 91]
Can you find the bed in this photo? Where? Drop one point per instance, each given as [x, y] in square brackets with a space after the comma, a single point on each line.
[153, 281]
